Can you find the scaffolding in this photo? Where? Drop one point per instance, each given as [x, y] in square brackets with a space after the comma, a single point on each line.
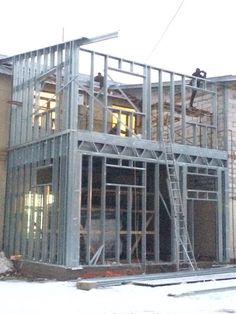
[80, 193]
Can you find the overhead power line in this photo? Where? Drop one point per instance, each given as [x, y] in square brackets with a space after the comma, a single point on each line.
[165, 30]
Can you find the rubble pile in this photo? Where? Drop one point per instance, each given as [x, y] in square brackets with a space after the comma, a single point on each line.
[6, 266]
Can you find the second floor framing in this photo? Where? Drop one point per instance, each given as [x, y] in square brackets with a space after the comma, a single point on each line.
[54, 90]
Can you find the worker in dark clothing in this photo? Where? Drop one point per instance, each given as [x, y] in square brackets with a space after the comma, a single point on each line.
[114, 130]
[197, 73]
[99, 78]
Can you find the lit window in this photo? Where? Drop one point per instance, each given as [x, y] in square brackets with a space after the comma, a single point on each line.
[125, 118]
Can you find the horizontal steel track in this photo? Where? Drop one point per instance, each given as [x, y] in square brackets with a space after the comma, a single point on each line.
[161, 279]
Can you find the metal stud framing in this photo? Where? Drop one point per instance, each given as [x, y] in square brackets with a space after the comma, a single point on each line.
[61, 156]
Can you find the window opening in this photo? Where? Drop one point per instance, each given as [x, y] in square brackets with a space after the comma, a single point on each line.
[125, 119]
[44, 109]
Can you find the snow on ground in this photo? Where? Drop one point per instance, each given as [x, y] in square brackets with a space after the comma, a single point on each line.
[17, 296]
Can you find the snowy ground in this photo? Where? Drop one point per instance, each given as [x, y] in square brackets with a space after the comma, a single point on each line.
[17, 296]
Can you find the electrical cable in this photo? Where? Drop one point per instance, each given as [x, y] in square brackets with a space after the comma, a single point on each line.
[165, 30]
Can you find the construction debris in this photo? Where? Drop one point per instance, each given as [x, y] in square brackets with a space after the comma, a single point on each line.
[6, 266]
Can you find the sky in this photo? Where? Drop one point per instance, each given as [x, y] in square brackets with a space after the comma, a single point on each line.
[176, 35]
[63, 297]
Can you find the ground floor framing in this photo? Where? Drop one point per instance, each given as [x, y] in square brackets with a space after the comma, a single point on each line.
[85, 199]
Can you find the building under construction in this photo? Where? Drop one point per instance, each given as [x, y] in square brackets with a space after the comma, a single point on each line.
[117, 171]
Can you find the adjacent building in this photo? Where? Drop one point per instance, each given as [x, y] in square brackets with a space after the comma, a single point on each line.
[5, 96]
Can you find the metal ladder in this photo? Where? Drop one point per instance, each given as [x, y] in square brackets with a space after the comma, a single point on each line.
[184, 251]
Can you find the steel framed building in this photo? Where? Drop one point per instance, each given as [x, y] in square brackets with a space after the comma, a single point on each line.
[86, 166]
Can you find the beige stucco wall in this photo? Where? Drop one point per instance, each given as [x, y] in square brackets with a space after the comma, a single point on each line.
[5, 92]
